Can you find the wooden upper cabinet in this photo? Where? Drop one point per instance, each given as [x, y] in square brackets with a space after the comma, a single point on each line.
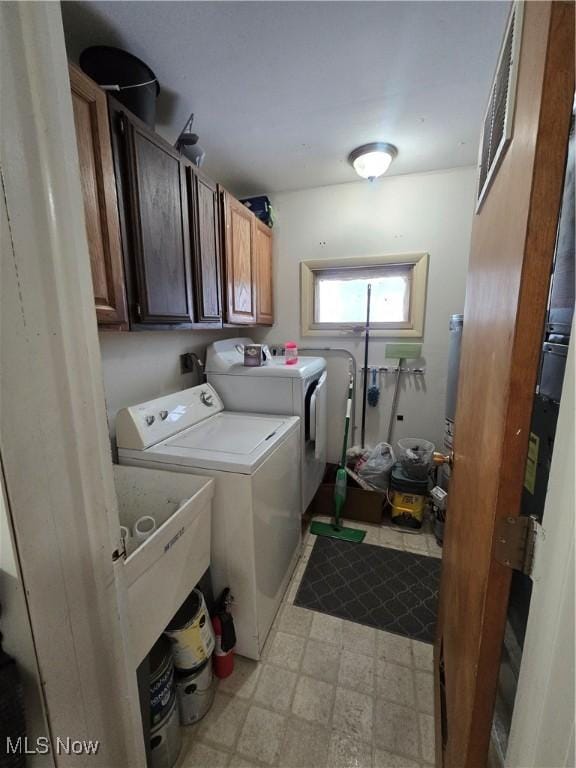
[151, 179]
[240, 277]
[263, 260]
[207, 252]
[161, 244]
[100, 202]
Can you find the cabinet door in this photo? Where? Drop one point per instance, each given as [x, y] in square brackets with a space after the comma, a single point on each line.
[207, 261]
[160, 236]
[264, 288]
[240, 269]
[100, 202]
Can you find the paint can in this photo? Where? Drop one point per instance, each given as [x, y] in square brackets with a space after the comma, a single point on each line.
[166, 740]
[191, 633]
[195, 693]
[162, 685]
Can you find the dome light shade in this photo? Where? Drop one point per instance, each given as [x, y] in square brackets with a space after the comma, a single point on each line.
[372, 160]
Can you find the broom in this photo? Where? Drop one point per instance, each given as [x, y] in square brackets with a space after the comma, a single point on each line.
[334, 529]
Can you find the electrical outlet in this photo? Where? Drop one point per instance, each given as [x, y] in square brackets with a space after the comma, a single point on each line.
[400, 417]
[187, 363]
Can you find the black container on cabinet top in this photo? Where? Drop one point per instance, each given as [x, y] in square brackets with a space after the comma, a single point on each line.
[131, 81]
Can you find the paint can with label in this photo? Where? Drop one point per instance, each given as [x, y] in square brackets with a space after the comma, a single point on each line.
[195, 693]
[162, 685]
[191, 633]
[166, 740]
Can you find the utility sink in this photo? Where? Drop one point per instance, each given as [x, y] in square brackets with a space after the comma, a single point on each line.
[164, 569]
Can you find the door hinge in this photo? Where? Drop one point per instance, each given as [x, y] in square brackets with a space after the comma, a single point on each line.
[516, 541]
[137, 312]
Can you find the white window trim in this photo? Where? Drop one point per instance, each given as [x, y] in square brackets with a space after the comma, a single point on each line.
[413, 329]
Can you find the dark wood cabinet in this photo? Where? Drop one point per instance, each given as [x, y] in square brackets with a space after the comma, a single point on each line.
[263, 261]
[207, 252]
[240, 271]
[160, 228]
[100, 202]
[194, 256]
[151, 179]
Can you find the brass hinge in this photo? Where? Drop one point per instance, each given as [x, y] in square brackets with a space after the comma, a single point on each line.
[515, 542]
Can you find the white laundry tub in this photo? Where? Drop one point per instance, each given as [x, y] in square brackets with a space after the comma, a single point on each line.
[164, 569]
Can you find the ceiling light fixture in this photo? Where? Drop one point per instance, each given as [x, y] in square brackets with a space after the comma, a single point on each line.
[372, 160]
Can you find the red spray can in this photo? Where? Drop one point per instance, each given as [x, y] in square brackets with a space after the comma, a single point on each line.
[223, 657]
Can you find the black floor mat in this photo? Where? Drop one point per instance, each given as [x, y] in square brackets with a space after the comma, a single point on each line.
[383, 588]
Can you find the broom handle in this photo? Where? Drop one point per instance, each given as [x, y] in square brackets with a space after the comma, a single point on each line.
[365, 383]
[347, 422]
[401, 363]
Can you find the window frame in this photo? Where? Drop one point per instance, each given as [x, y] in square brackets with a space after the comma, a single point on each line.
[417, 263]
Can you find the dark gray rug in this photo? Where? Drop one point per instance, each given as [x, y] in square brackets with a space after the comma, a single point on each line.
[383, 588]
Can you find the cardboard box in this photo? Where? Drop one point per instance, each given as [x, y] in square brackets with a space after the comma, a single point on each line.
[361, 505]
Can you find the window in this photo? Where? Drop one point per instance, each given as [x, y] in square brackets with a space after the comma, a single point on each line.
[340, 295]
[334, 295]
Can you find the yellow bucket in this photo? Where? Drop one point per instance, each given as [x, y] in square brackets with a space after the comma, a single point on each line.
[409, 504]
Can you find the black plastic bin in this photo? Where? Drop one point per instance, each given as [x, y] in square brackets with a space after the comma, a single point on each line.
[129, 79]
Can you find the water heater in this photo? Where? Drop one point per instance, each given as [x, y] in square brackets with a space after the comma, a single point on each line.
[455, 343]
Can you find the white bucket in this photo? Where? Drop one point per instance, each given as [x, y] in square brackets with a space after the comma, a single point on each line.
[191, 634]
[195, 694]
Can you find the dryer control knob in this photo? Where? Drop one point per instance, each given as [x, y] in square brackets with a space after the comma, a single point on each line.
[150, 420]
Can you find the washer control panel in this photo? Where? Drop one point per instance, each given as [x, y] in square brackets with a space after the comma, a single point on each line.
[141, 426]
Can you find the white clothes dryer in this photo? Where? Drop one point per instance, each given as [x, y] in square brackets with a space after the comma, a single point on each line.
[275, 387]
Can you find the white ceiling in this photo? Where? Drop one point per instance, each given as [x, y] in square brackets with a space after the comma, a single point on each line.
[283, 91]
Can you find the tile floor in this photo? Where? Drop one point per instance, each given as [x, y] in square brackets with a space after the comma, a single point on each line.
[328, 693]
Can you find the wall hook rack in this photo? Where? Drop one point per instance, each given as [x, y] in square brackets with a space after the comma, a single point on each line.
[394, 369]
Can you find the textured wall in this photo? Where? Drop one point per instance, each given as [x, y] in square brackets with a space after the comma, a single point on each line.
[421, 212]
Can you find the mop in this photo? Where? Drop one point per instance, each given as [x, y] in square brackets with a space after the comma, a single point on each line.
[334, 529]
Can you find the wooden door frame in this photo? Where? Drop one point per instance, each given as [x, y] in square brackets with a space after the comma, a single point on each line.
[537, 151]
[53, 432]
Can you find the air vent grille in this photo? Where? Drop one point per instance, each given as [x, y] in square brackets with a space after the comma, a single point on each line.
[498, 121]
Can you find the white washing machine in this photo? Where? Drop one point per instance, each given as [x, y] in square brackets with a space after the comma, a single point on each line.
[256, 532]
[274, 387]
